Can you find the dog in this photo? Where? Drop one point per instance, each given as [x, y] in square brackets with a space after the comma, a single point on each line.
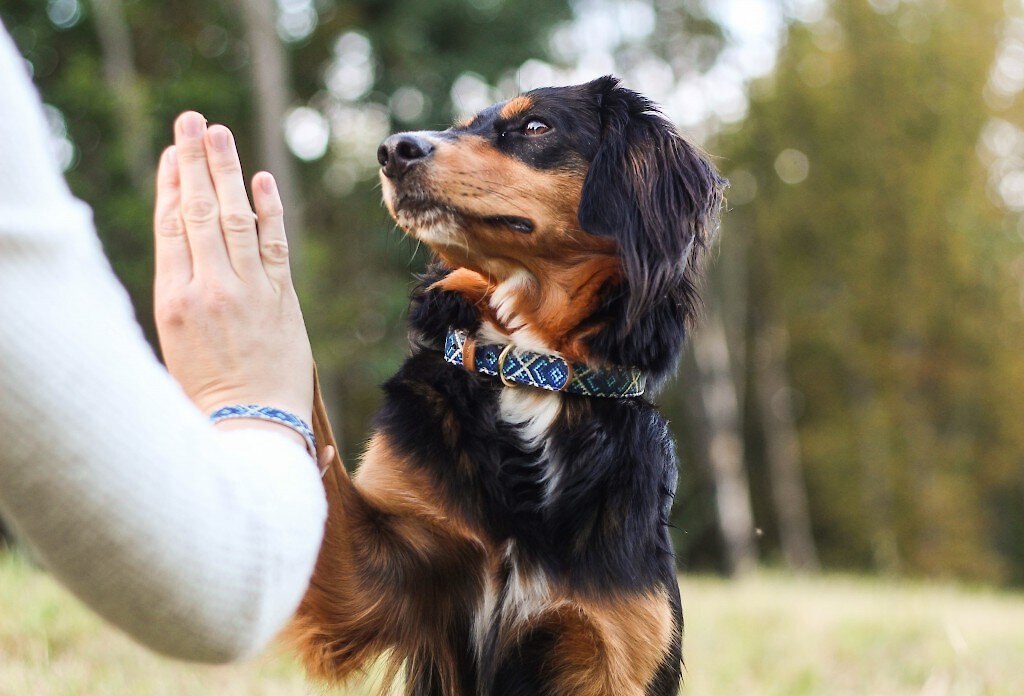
[507, 530]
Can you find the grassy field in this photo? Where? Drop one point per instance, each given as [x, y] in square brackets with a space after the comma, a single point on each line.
[769, 634]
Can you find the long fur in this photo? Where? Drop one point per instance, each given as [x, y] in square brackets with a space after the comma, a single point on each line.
[483, 547]
[662, 211]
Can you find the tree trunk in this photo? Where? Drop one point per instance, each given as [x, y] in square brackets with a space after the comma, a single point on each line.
[775, 407]
[725, 444]
[877, 467]
[271, 88]
[271, 98]
[119, 73]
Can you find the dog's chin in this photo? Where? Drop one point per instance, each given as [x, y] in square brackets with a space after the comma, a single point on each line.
[442, 226]
[430, 221]
[438, 223]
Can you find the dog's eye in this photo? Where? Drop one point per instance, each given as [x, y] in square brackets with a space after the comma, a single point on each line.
[536, 127]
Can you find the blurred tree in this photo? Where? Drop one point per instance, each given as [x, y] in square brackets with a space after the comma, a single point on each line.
[873, 338]
[773, 408]
[722, 443]
[123, 83]
[873, 234]
[271, 83]
[116, 72]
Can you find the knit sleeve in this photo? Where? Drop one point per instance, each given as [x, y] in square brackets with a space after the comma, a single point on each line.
[198, 543]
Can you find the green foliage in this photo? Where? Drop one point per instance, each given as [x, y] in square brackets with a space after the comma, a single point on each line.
[192, 55]
[896, 276]
[890, 264]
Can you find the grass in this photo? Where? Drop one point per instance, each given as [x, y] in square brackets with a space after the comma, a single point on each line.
[769, 634]
[778, 635]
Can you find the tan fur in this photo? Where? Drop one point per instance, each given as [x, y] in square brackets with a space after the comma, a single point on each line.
[568, 266]
[604, 646]
[397, 564]
[383, 528]
[515, 107]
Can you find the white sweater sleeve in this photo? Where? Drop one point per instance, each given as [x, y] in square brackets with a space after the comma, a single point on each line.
[198, 543]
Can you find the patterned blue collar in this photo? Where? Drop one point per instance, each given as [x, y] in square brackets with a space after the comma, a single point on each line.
[552, 372]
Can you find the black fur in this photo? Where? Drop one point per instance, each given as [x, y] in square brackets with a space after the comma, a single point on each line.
[521, 673]
[433, 312]
[659, 198]
[604, 530]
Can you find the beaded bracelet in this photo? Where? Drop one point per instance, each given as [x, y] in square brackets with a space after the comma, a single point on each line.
[267, 413]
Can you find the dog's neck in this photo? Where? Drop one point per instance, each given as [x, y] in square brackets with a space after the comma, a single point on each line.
[543, 307]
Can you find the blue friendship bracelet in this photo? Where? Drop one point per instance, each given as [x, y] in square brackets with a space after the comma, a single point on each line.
[267, 413]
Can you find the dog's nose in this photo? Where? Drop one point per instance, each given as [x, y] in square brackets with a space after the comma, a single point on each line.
[401, 152]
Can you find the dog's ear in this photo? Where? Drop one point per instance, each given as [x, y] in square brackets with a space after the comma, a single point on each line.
[658, 197]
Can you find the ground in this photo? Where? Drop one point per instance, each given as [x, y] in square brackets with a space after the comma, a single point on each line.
[770, 634]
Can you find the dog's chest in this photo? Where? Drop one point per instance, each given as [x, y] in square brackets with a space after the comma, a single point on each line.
[531, 413]
[514, 593]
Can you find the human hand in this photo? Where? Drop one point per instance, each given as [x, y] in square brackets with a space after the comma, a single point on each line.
[226, 311]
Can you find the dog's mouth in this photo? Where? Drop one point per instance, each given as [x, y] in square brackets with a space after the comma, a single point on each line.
[512, 222]
[422, 207]
[421, 212]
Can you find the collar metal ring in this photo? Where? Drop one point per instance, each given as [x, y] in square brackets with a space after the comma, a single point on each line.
[501, 366]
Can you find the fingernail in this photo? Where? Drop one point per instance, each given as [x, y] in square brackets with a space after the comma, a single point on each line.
[221, 137]
[172, 155]
[267, 182]
[192, 124]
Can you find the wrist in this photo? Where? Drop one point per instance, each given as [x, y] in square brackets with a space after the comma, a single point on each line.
[253, 424]
[211, 402]
[256, 413]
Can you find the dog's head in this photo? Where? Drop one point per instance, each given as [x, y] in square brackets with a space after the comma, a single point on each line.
[572, 218]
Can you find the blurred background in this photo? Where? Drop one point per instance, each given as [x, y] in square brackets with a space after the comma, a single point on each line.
[854, 397]
[853, 401]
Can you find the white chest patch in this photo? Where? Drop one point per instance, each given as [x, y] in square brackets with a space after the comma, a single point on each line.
[527, 594]
[503, 298]
[531, 411]
[503, 303]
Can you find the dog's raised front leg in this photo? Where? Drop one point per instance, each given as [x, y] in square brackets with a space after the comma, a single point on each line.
[394, 573]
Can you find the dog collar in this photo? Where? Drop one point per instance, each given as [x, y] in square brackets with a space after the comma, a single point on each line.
[514, 366]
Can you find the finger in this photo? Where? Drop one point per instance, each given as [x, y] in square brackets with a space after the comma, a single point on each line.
[324, 459]
[237, 220]
[173, 258]
[273, 242]
[199, 207]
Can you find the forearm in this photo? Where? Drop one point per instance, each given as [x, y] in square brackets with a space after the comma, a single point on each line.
[267, 426]
[198, 543]
[103, 457]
